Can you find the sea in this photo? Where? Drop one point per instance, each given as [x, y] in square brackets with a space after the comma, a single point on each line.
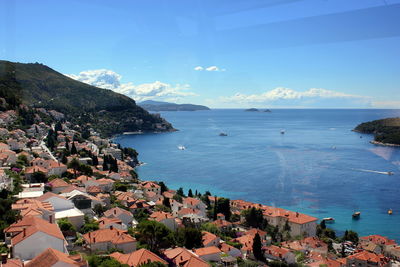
[306, 160]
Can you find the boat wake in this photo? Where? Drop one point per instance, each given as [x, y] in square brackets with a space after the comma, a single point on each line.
[372, 171]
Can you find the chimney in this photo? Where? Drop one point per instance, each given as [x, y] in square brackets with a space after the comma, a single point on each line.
[94, 239]
[50, 219]
[24, 232]
[111, 227]
[115, 211]
[4, 258]
[297, 214]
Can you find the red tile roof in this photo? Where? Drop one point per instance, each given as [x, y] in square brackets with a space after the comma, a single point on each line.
[185, 258]
[49, 257]
[370, 257]
[208, 238]
[378, 239]
[207, 251]
[113, 235]
[137, 258]
[58, 183]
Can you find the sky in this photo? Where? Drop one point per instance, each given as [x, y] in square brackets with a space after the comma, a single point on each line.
[223, 54]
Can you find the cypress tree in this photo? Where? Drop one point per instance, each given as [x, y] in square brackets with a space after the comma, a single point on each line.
[190, 193]
[257, 248]
[73, 149]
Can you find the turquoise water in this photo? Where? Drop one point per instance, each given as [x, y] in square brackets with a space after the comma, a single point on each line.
[316, 167]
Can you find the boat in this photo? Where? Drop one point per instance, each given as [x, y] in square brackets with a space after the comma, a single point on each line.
[390, 173]
[282, 131]
[329, 220]
[223, 134]
[390, 211]
[181, 147]
[356, 215]
[333, 147]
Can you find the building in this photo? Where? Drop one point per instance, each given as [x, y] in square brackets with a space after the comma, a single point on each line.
[54, 258]
[184, 258]
[209, 253]
[367, 259]
[210, 239]
[125, 216]
[110, 238]
[276, 253]
[35, 235]
[165, 218]
[137, 258]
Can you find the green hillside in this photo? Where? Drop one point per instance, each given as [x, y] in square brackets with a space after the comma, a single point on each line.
[37, 85]
[385, 130]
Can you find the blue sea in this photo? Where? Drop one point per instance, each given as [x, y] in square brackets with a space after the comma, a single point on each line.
[318, 167]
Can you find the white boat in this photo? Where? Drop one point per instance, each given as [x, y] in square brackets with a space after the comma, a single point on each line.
[329, 220]
[223, 134]
[181, 147]
[282, 131]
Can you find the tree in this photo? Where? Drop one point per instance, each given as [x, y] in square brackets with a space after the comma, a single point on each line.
[180, 192]
[99, 209]
[64, 159]
[65, 225]
[89, 226]
[74, 164]
[215, 210]
[350, 235]
[163, 187]
[257, 248]
[23, 160]
[95, 160]
[39, 177]
[254, 218]
[224, 207]
[190, 193]
[154, 235]
[166, 202]
[189, 237]
[58, 126]
[73, 149]
[66, 143]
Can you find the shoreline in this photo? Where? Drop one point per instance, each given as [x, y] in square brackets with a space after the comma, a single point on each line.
[383, 144]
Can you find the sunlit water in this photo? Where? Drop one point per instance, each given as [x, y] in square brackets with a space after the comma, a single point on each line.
[318, 166]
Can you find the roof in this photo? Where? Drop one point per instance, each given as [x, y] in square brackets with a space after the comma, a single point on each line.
[378, 239]
[149, 184]
[208, 237]
[161, 215]
[207, 251]
[23, 204]
[137, 258]
[370, 257]
[115, 212]
[49, 257]
[58, 183]
[12, 263]
[191, 201]
[276, 251]
[104, 221]
[35, 225]
[48, 195]
[113, 235]
[33, 169]
[183, 257]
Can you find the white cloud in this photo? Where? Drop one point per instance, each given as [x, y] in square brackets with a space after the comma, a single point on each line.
[314, 97]
[109, 79]
[210, 68]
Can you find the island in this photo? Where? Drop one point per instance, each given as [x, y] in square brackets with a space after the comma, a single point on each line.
[385, 131]
[257, 110]
[167, 106]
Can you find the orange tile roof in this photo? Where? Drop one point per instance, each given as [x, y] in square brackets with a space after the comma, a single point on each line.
[37, 225]
[221, 223]
[115, 212]
[161, 215]
[378, 239]
[191, 201]
[112, 235]
[208, 238]
[185, 258]
[33, 169]
[104, 222]
[370, 257]
[276, 251]
[137, 258]
[49, 257]
[186, 211]
[48, 195]
[58, 183]
[27, 203]
[149, 184]
[207, 251]
[13, 263]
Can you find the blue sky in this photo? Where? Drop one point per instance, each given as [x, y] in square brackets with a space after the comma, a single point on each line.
[236, 53]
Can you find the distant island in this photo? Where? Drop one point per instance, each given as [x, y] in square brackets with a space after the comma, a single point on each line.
[257, 110]
[166, 106]
[386, 131]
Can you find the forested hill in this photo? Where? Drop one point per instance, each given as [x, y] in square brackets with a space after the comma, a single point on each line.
[166, 106]
[37, 85]
[385, 130]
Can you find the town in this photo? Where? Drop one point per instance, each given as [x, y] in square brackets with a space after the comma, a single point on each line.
[73, 198]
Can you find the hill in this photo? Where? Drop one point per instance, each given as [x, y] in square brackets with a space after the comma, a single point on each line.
[39, 86]
[166, 106]
[385, 131]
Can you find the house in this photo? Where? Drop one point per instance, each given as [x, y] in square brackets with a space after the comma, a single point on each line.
[64, 208]
[148, 186]
[57, 185]
[375, 243]
[298, 223]
[54, 258]
[110, 238]
[308, 244]
[367, 259]
[210, 239]
[314, 259]
[105, 184]
[29, 171]
[222, 224]
[184, 258]
[276, 253]
[56, 168]
[194, 203]
[7, 157]
[36, 208]
[5, 181]
[209, 253]
[137, 258]
[165, 218]
[105, 222]
[125, 216]
[230, 250]
[35, 237]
